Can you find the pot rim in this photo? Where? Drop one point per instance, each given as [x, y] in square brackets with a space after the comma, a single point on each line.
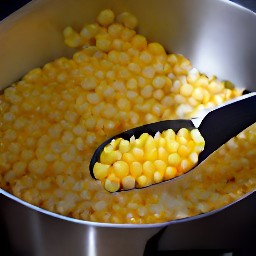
[115, 225]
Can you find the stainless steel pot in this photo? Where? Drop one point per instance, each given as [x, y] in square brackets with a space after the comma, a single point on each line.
[218, 36]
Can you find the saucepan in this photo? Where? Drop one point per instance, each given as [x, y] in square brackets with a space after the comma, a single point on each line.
[218, 37]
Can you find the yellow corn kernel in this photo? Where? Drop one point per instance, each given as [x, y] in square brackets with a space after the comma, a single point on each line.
[193, 157]
[198, 94]
[185, 166]
[170, 173]
[112, 184]
[100, 171]
[124, 146]
[146, 92]
[172, 146]
[128, 19]
[156, 49]
[170, 134]
[106, 17]
[19, 168]
[142, 181]
[37, 166]
[158, 94]
[138, 153]
[117, 44]
[174, 159]
[159, 82]
[148, 169]
[128, 157]
[115, 143]
[160, 165]
[150, 154]
[115, 30]
[121, 169]
[128, 182]
[183, 151]
[183, 132]
[145, 57]
[150, 143]
[103, 43]
[186, 90]
[182, 140]
[140, 142]
[149, 72]
[136, 169]
[72, 38]
[196, 136]
[162, 154]
[109, 157]
[134, 67]
[139, 42]
[158, 176]
[89, 83]
[126, 36]
[123, 104]
[161, 142]
[93, 98]
[90, 31]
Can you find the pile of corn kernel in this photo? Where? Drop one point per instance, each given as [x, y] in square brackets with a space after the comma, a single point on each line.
[148, 160]
[54, 118]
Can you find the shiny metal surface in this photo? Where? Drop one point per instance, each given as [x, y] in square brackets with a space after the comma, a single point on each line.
[33, 233]
[218, 36]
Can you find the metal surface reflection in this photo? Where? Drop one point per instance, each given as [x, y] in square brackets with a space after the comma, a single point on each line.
[91, 242]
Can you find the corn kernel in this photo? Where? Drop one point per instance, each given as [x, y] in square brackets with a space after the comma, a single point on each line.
[128, 182]
[109, 156]
[128, 157]
[196, 136]
[106, 17]
[112, 184]
[128, 20]
[136, 169]
[103, 43]
[156, 48]
[174, 159]
[148, 168]
[139, 42]
[142, 181]
[159, 82]
[170, 172]
[186, 90]
[183, 151]
[158, 177]
[100, 170]
[124, 146]
[121, 169]
[90, 31]
[172, 146]
[138, 153]
[115, 30]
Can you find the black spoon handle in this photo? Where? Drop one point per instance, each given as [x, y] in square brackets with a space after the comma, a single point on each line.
[225, 122]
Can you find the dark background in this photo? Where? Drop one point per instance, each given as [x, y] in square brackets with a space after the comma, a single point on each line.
[9, 6]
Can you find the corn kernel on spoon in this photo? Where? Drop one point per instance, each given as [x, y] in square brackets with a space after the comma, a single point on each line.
[216, 126]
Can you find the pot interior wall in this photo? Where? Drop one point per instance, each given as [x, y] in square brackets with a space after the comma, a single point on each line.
[217, 36]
